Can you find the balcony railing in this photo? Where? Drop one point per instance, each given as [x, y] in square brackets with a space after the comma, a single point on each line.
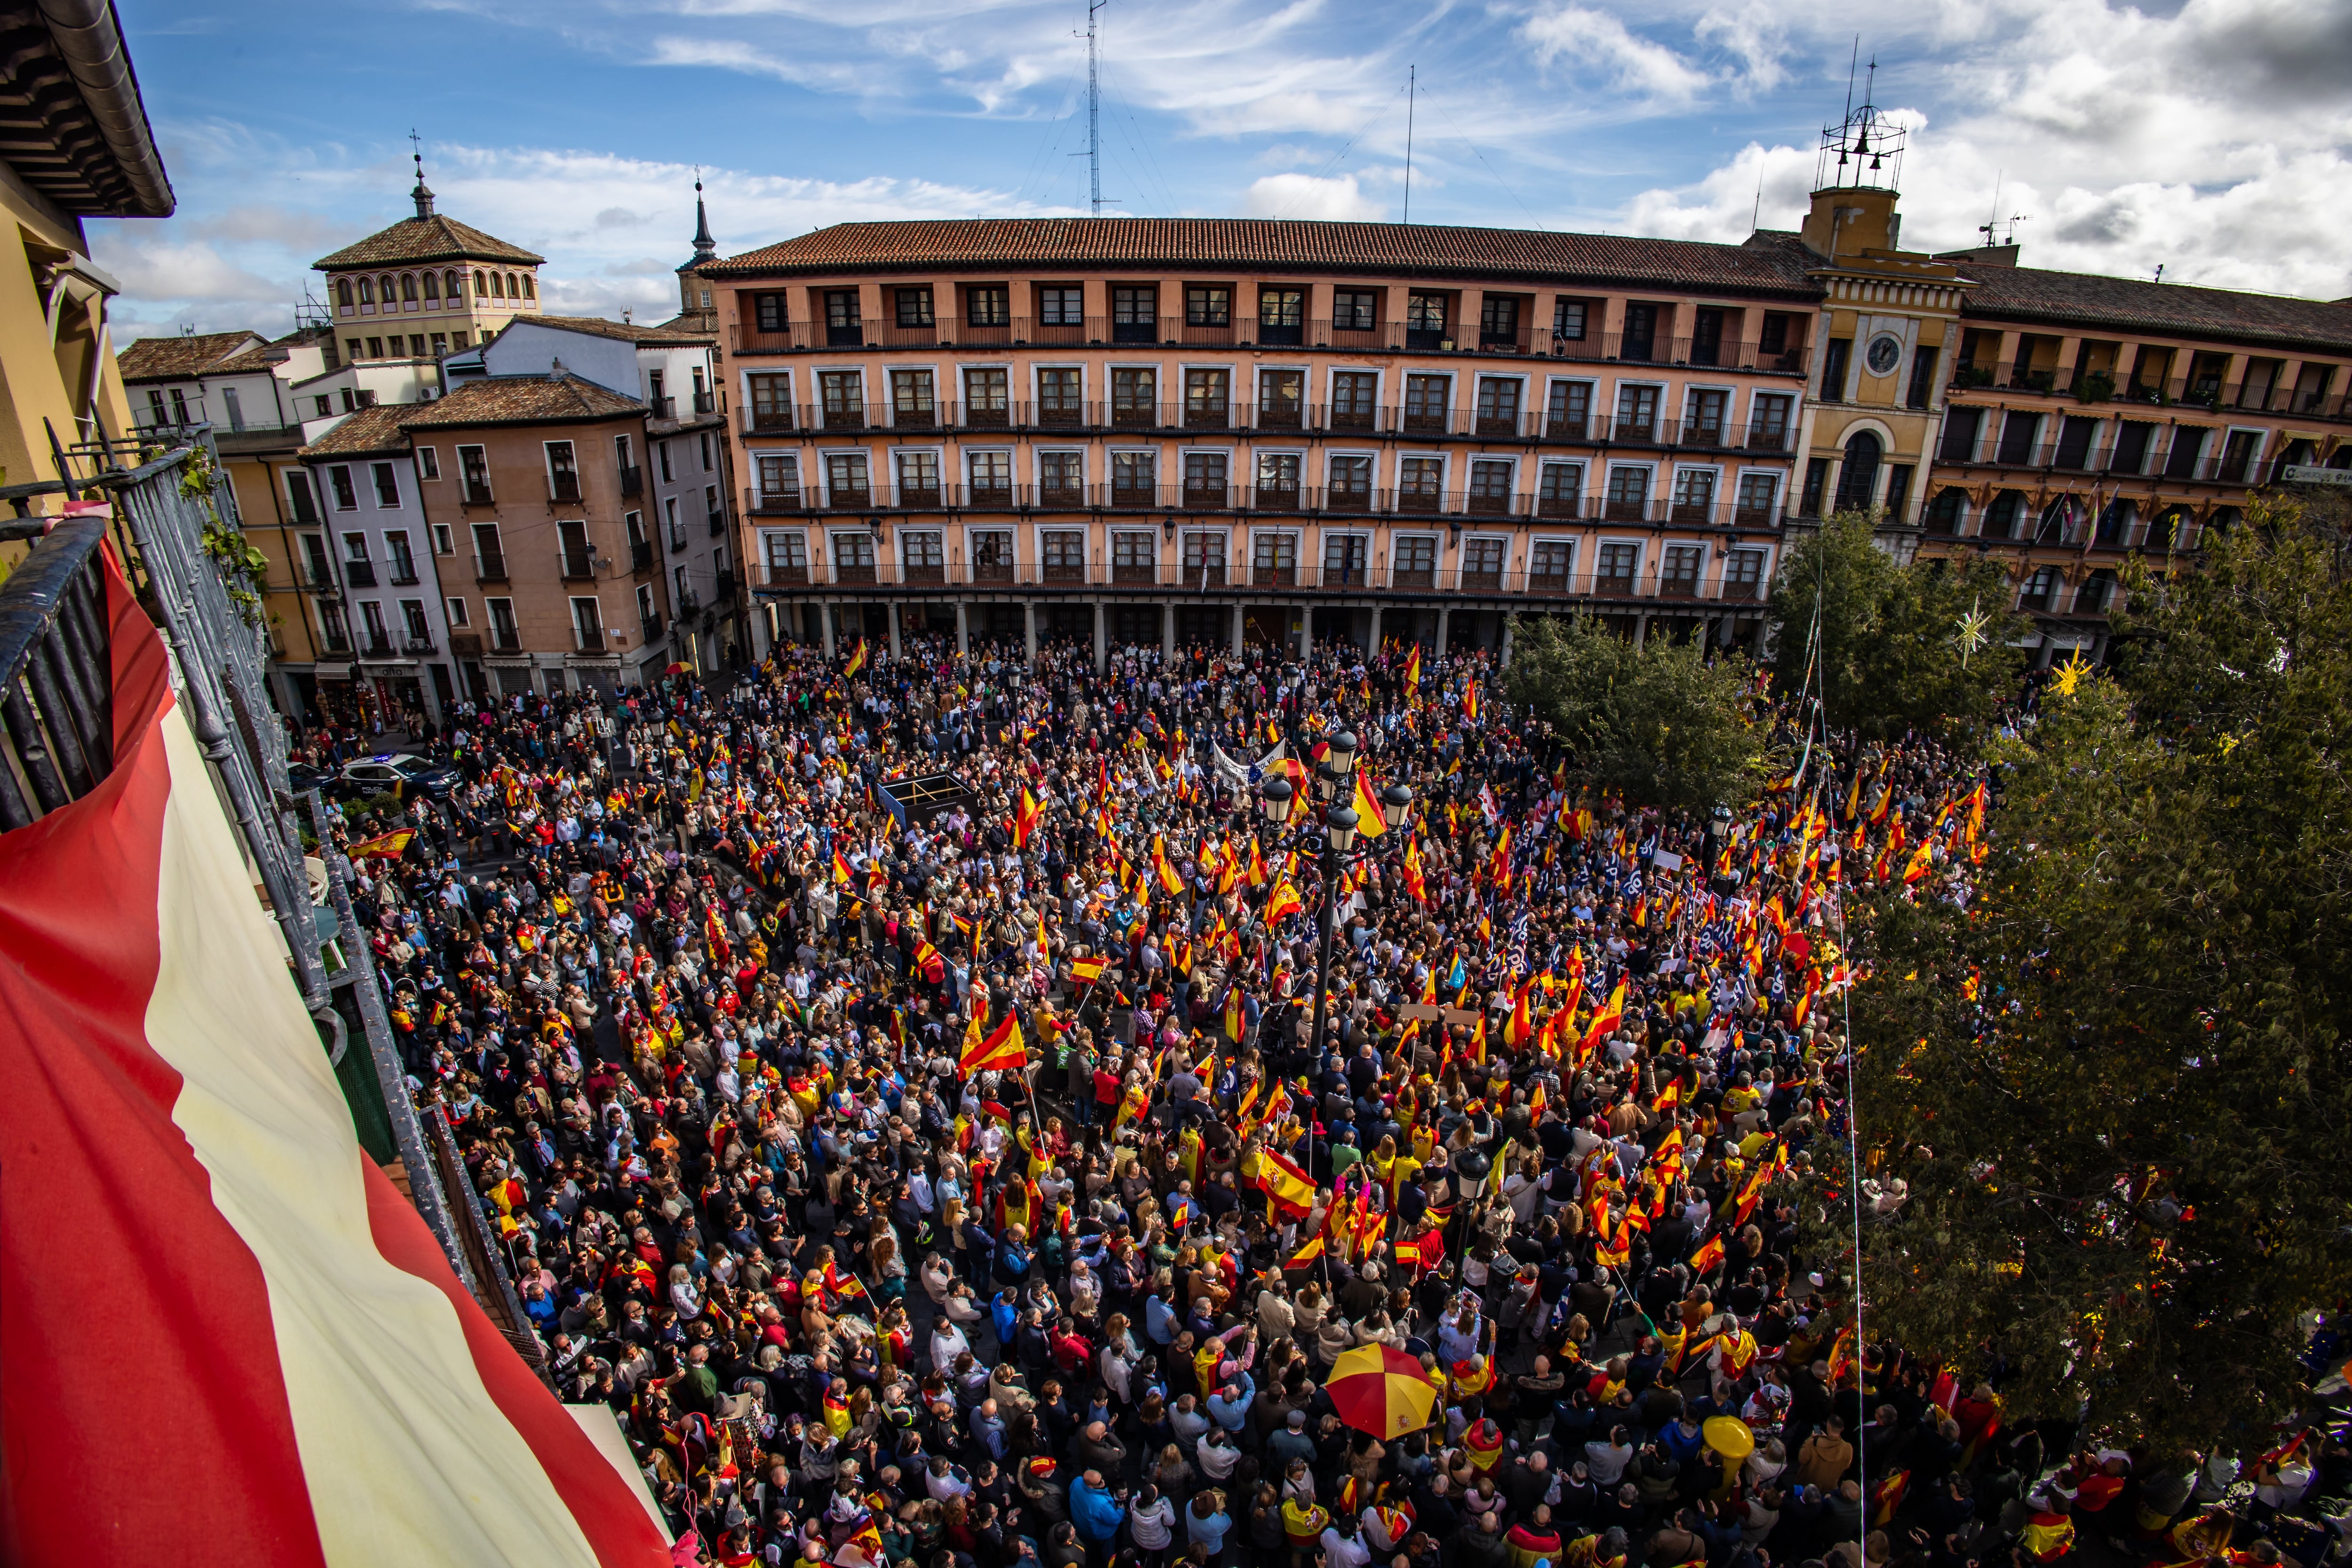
[1708, 582]
[358, 573]
[641, 555]
[1463, 506]
[577, 565]
[590, 639]
[718, 523]
[489, 566]
[403, 574]
[563, 485]
[1243, 331]
[633, 481]
[506, 639]
[650, 625]
[476, 492]
[663, 407]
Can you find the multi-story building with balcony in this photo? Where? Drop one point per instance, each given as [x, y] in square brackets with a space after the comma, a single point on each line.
[407, 297]
[1153, 431]
[2090, 417]
[538, 477]
[680, 517]
[386, 626]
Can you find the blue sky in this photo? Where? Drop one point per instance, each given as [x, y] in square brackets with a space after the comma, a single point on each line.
[2209, 136]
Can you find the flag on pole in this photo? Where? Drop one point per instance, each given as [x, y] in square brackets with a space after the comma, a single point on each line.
[1003, 1049]
[857, 661]
[1032, 811]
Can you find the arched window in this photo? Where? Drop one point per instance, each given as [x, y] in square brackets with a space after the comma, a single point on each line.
[2002, 517]
[432, 288]
[2041, 591]
[2170, 525]
[513, 293]
[2097, 592]
[481, 284]
[498, 286]
[344, 292]
[1858, 477]
[453, 282]
[367, 290]
[408, 286]
[1944, 514]
[528, 292]
[384, 289]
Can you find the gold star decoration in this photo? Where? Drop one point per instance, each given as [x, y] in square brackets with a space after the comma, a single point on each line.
[1973, 630]
[2070, 673]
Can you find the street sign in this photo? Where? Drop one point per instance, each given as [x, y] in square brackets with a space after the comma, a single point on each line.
[2312, 474]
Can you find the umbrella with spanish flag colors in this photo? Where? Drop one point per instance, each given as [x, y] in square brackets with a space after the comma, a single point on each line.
[1379, 1389]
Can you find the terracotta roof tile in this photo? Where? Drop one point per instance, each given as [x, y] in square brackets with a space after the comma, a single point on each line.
[435, 238]
[597, 326]
[521, 400]
[2129, 304]
[1428, 250]
[180, 358]
[365, 432]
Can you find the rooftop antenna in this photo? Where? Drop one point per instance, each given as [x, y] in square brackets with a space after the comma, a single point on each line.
[1756, 218]
[2160, 272]
[1992, 218]
[1094, 114]
[1411, 91]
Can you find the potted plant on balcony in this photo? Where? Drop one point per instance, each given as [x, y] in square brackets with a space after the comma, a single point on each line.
[1969, 375]
[2098, 386]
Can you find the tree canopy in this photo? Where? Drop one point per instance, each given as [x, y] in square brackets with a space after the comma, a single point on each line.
[1660, 722]
[1923, 647]
[2116, 1083]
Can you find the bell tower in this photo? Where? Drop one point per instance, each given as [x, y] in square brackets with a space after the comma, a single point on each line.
[1888, 331]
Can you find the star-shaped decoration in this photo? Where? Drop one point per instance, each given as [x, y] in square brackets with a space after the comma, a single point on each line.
[1974, 631]
[2070, 673]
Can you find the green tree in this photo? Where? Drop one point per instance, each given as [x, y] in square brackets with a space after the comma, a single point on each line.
[1660, 722]
[2124, 1156]
[1924, 646]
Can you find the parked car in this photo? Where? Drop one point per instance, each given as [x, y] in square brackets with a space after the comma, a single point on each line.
[399, 774]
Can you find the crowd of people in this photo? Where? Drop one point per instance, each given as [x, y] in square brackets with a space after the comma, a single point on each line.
[896, 1084]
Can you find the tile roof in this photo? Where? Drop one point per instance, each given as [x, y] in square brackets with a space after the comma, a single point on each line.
[521, 400]
[180, 358]
[435, 238]
[597, 326]
[1426, 249]
[365, 432]
[2129, 304]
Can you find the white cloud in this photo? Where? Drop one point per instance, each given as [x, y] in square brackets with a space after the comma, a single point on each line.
[1307, 196]
[1595, 41]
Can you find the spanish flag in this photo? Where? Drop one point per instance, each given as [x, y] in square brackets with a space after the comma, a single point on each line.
[1003, 1049]
[1306, 1256]
[1603, 1025]
[1708, 1258]
[1168, 879]
[841, 872]
[1369, 822]
[386, 845]
[1026, 819]
[1087, 970]
[1917, 870]
[1470, 700]
[927, 959]
[857, 661]
[1284, 1183]
[1522, 1027]
[1413, 672]
[1413, 883]
[1234, 1013]
[1284, 901]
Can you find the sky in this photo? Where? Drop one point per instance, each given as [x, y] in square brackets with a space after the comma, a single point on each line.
[2209, 137]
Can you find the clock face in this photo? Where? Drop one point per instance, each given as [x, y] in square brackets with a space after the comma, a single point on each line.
[1885, 350]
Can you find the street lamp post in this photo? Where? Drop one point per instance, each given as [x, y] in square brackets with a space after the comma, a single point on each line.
[1333, 843]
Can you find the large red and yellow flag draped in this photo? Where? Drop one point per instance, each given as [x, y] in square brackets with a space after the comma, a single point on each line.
[183, 1177]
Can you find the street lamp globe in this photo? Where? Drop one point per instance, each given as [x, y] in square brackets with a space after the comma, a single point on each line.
[1343, 753]
[1274, 799]
[1340, 828]
[1469, 1173]
[1396, 806]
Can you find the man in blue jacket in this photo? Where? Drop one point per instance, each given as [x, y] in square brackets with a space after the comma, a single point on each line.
[1095, 1512]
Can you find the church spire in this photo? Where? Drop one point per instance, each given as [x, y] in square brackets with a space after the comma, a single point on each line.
[423, 198]
[705, 248]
